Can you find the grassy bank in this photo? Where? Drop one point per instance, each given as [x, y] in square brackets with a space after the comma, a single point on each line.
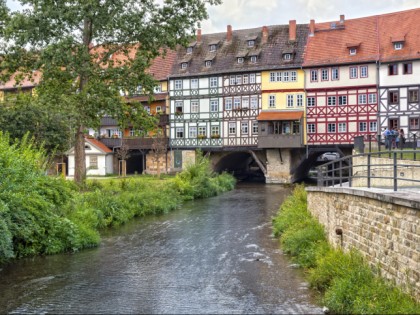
[40, 214]
[347, 283]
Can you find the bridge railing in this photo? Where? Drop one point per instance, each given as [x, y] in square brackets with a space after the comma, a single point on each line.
[392, 169]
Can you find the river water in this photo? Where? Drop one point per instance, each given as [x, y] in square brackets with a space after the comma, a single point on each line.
[213, 256]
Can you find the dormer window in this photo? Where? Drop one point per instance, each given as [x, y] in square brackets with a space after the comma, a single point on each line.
[208, 63]
[184, 65]
[251, 43]
[287, 56]
[240, 60]
[353, 51]
[352, 47]
[253, 59]
[189, 50]
[398, 46]
[213, 48]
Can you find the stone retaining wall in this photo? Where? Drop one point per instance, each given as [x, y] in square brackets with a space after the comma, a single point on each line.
[384, 228]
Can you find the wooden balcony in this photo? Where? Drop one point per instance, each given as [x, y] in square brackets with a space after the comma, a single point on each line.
[133, 143]
[280, 141]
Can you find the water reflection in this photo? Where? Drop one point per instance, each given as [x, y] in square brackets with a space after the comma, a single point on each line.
[212, 256]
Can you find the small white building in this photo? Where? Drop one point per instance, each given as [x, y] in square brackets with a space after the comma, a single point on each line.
[99, 159]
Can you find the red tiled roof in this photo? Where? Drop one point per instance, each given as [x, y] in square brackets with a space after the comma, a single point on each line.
[289, 115]
[99, 145]
[399, 26]
[24, 82]
[331, 45]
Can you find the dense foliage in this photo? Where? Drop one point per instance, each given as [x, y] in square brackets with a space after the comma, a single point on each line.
[349, 285]
[40, 214]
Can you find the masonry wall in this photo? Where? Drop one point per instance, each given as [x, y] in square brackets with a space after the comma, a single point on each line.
[384, 228]
[278, 166]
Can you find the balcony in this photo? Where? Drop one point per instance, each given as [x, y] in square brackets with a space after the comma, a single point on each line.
[133, 143]
[280, 141]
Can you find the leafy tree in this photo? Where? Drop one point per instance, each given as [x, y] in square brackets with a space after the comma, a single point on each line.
[75, 44]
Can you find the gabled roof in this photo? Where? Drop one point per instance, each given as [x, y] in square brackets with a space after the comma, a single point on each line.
[25, 82]
[269, 53]
[330, 44]
[403, 27]
[99, 145]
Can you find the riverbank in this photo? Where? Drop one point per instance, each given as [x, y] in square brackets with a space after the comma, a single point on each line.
[41, 215]
[347, 283]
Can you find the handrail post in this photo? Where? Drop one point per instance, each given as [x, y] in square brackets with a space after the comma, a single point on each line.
[379, 143]
[351, 171]
[395, 171]
[368, 170]
[333, 174]
[415, 146]
[341, 172]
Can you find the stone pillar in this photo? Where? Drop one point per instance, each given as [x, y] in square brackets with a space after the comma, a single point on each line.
[278, 166]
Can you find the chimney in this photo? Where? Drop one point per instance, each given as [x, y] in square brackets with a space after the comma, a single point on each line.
[292, 30]
[342, 19]
[229, 33]
[264, 35]
[199, 35]
[312, 28]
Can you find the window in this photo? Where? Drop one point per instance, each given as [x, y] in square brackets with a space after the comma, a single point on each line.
[251, 43]
[362, 126]
[342, 100]
[240, 60]
[228, 104]
[246, 79]
[158, 109]
[314, 75]
[287, 56]
[238, 79]
[373, 126]
[254, 102]
[252, 78]
[189, 50]
[285, 127]
[299, 100]
[273, 77]
[214, 105]
[414, 123]
[194, 83]
[293, 76]
[202, 131]
[353, 72]
[179, 107]
[213, 82]
[272, 101]
[362, 99]
[207, 64]
[311, 128]
[93, 162]
[331, 128]
[184, 65]
[193, 132]
[157, 89]
[334, 74]
[352, 51]
[178, 84]
[179, 132]
[245, 102]
[285, 76]
[213, 47]
[398, 46]
[253, 59]
[407, 68]
[413, 96]
[393, 69]
[232, 128]
[244, 128]
[310, 101]
[255, 127]
[237, 103]
[194, 106]
[331, 100]
[372, 98]
[324, 74]
[393, 97]
[363, 71]
[290, 101]
[215, 131]
[342, 127]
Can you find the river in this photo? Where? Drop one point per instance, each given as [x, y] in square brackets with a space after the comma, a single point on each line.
[213, 256]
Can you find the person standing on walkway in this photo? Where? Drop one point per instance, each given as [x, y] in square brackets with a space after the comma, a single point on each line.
[387, 137]
[402, 137]
[394, 137]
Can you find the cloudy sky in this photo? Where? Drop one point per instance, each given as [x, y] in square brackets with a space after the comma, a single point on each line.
[255, 13]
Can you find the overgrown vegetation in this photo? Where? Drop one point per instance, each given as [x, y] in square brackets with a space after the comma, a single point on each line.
[40, 214]
[348, 284]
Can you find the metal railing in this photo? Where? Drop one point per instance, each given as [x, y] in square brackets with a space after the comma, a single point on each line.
[382, 169]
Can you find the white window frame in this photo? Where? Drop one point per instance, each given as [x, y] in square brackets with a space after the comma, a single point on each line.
[202, 131]
[195, 105]
[324, 74]
[353, 73]
[239, 80]
[254, 102]
[398, 46]
[335, 74]
[310, 101]
[251, 43]
[178, 85]
[331, 100]
[232, 128]
[246, 79]
[213, 82]
[244, 128]
[373, 126]
[342, 127]
[311, 128]
[184, 65]
[179, 132]
[272, 101]
[352, 51]
[293, 76]
[314, 75]
[215, 130]
[299, 100]
[240, 59]
[237, 103]
[331, 127]
[363, 71]
[214, 106]
[362, 99]
[245, 102]
[342, 100]
[255, 127]
[285, 76]
[362, 126]
[290, 100]
[207, 63]
[228, 103]
[192, 132]
[252, 78]
[253, 59]
[194, 83]
[372, 98]
[213, 47]
[189, 50]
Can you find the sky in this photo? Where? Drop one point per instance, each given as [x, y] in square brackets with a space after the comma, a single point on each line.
[242, 14]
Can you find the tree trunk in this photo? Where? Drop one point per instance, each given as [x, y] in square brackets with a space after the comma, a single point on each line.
[79, 157]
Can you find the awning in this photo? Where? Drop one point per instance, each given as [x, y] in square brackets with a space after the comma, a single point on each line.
[289, 115]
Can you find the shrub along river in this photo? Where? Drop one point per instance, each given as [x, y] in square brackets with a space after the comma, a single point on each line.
[214, 255]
